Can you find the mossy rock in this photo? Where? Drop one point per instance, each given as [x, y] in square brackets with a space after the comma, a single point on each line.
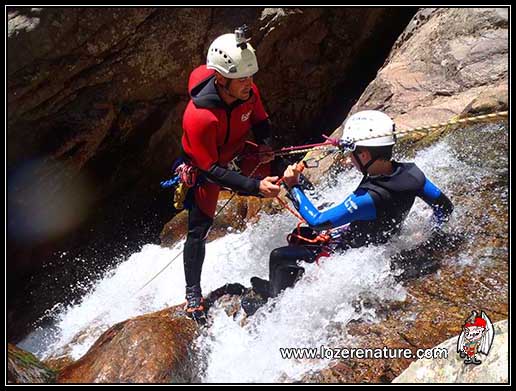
[24, 367]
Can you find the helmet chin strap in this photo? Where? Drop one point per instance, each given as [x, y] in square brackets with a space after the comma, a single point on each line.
[364, 167]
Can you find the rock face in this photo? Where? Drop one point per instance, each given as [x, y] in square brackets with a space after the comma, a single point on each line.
[153, 348]
[494, 367]
[447, 62]
[97, 81]
[445, 59]
[23, 367]
[96, 95]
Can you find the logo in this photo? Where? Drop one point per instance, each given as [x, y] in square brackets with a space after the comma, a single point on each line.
[246, 116]
[476, 337]
[350, 205]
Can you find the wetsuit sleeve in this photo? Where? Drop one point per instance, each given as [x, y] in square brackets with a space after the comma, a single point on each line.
[441, 205]
[228, 178]
[357, 206]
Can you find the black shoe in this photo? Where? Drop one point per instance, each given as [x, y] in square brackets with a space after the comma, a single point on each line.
[195, 307]
[251, 302]
[261, 286]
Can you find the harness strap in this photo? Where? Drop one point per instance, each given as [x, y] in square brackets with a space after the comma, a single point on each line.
[187, 174]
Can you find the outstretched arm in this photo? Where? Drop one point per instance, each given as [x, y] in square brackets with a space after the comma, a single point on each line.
[441, 205]
[235, 181]
[357, 206]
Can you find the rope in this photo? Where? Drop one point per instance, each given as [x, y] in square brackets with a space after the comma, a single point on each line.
[305, 150]
[402, 133]
[453, 121]
[322, 237]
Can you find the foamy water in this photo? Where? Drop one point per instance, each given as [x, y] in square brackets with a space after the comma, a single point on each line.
[313, 313]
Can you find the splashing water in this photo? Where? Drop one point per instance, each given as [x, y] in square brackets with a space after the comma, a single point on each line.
[313, 313]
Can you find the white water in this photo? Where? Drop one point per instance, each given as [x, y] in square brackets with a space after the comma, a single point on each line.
[313, 313]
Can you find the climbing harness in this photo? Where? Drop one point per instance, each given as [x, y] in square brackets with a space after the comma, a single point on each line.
[324, 238]
[185, 178]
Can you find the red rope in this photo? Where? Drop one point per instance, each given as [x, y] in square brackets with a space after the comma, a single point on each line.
[322, 238]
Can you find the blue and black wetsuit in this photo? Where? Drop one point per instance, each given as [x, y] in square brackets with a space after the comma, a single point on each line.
[374, 212]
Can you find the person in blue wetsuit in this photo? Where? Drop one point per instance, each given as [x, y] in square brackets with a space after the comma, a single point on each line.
[372, 214]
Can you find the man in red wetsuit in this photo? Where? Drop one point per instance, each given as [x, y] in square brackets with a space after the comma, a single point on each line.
[225, 107]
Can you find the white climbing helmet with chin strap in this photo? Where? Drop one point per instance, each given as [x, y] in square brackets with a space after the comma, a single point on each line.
[232, 56]
[369, 128]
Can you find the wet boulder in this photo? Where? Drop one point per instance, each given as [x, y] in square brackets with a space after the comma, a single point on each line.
[448, 62]
[445, 59]
[152, 348]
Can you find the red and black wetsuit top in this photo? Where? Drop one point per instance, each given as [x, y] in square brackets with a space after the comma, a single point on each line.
[214, 133]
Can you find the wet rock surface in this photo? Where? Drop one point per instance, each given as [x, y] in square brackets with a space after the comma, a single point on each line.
[23, 367]
[153, 348]
[473, 275]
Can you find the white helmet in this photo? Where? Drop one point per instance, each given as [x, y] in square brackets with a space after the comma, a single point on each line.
[369, 128]
[231, 57]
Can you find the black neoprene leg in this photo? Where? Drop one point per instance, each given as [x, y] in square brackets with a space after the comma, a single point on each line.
[195, 245]
[283, 268]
